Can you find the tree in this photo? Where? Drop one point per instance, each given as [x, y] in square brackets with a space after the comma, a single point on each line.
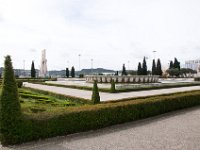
[159, 68]
[124, 70]
[95, 93]
[154, 67]
[171, 65]
[67, 72]
[176, 64]
[139, 71]
[144, 67]
[112, 89]
[10, 110]
[173, 72]
[73, 72]
[33, 72]
[116, 73]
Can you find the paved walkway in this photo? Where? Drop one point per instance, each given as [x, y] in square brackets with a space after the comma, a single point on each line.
[108, 96]
[173, 131]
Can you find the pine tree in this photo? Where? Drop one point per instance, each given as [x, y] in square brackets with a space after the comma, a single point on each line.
[144, 67]
[159, 68]
[10, 109]
[124, 70]
[154, 67]
[139, 71]
[73, 72]
[67, 72]
[33, 72]
[95, 93]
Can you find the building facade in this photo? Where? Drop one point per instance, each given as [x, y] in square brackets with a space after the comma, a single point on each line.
[193, 64]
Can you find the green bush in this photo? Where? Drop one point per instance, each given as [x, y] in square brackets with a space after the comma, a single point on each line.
[95, 94]
[102, 115]
[19, 84]
[10, 110]
[112, 89]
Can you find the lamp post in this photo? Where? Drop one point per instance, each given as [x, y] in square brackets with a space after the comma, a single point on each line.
[24, 67]
[154, 52]
[91, 66]
[128, 65]
[79, 59]
[67, 64]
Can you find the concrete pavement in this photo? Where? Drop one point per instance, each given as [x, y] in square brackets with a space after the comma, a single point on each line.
[108, 96]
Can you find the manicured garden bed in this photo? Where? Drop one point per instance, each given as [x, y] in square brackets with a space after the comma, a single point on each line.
[38, 124]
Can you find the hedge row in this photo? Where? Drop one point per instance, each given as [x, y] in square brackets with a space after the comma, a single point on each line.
[86, 118]
[73, 86]
[197, 79]
[33, 80]
[24, 95]
[164, 86]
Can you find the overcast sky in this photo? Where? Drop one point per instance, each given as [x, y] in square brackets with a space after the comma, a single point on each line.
[111, 32]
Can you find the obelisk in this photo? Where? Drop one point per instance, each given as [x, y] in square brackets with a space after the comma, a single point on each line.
[43, 66]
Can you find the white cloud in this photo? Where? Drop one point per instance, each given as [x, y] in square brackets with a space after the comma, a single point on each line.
[112, 32]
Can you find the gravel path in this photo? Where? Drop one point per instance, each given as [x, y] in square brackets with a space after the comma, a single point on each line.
[178, 130]
[108, 96]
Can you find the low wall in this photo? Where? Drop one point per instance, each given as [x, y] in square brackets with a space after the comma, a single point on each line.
[122, 79]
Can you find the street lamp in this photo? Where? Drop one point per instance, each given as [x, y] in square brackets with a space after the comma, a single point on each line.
[128, 65]
[91, 65]
[24, 67]
[154, 52]
[79, 59]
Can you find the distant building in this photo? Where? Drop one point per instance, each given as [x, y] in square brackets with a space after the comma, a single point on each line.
[43, 68]
[193, 64]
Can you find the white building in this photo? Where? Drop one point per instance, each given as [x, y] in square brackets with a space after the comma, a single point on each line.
[193, 64]
[43, 67]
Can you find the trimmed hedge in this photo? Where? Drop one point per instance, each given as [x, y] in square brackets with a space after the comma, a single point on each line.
[24, 95]
[197, 79]
[108, 90]
[92, 117]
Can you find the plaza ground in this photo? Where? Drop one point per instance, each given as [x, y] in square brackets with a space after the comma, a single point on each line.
[178, 130]
[108, 96]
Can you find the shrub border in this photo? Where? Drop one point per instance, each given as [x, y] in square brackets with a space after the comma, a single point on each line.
[92, 117]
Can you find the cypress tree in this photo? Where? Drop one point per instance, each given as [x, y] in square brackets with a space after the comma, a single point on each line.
[73, 72]
[171, 65]
[10, 110]
[95, 93]
[144, 67]
[112, 89]
[176, 64]
[139, 71]
[33, 72]
[67, 72]
[124, 70]
[159, 68]
[154, 67]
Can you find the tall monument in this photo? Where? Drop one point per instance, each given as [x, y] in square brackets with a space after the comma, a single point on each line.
[43, 66]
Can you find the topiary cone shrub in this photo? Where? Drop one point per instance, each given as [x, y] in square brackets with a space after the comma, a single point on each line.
[10, 110]
[112, 89]
[95, 93]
